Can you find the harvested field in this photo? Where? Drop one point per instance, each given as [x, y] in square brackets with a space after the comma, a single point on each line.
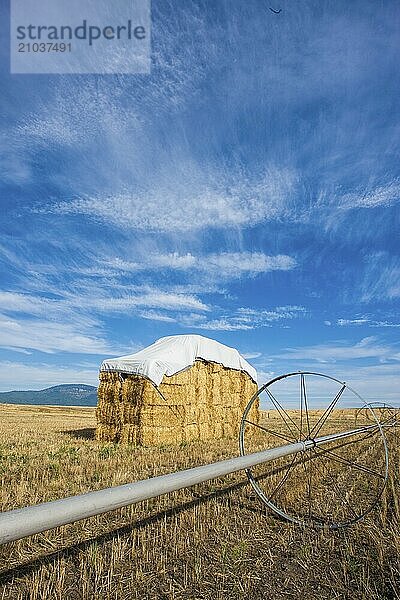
[214, 541]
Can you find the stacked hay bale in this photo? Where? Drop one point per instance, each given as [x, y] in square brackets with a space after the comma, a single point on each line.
[202, 402]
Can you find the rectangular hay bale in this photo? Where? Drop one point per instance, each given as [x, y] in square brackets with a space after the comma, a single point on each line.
[200, 403]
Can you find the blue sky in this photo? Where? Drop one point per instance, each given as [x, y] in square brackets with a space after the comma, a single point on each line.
[246, 190]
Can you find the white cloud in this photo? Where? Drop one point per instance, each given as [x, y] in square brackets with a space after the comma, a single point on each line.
[368, 347]
[264, 376]
[269, 316]
[366, 321]
[381, 278]
[149, 298]
[223, 325]
[234, 264]
[84, 297]
[250, 355]
[56, 128]
[189, 200]
[225, 265]
[374, 383]
[152, 315]
[174, 260]
[368, 366]
[72, 324]
[50, 336]
[18, 376]
[27, 303]
[13, 168]
[384, 195]
[243, 319]
[344, 322]
[190, 319]
[16, 349]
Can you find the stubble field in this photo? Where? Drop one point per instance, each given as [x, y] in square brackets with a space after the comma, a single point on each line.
[213, 541]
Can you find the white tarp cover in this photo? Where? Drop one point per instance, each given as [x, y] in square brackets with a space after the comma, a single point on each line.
[172, 354]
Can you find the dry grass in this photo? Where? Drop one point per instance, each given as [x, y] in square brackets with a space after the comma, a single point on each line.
[214, 541]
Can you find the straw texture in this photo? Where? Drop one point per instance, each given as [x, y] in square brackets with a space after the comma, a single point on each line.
[202, 402]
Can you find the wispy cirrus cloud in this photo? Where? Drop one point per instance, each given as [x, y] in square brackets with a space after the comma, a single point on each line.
[378, 196]
[344, 322]
[191, 200]
[341, 351]
[241, 319]
[245, 319]
[381, 277]
[231, 265]
[18, 350]
[35, 308]
[68, 302]
[149, 298]
[222, 324]
[27, 303]
[365, 321]
[251, 355]
[379, 382]
[152, 315]
[51, 336]
[277, 314]
[72, 323]
[225, 265]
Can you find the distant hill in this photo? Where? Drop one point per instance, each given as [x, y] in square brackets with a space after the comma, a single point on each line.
[64, 395]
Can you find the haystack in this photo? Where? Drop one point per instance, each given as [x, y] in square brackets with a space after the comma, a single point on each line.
[179, 389]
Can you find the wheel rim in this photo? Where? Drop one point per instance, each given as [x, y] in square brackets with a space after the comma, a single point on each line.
[334, 485]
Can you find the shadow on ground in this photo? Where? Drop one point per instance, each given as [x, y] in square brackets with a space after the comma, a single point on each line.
[88, 433]
[72, 550]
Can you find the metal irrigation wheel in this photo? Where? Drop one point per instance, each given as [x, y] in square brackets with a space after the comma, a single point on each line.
[329, 484]
[385, 413]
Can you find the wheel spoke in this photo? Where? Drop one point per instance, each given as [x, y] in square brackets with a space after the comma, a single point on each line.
[303, 399]
[327, 482]
[351, 463]
[279, 435]
[284, 478]
[282, 412]
[318, 426]
[301, 406]
[278, 470]
[352, 441]
[369, 448]
[338, 493]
